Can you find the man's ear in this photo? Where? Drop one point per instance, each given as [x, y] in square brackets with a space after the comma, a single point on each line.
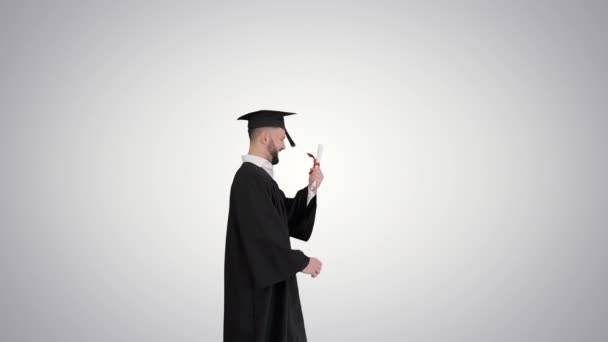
[265, 136]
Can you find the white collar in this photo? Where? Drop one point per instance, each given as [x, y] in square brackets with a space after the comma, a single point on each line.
[261, 162]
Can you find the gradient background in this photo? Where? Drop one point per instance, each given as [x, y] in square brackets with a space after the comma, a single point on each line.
[465, 165]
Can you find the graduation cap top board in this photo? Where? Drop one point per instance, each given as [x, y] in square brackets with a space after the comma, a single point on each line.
[267, 118]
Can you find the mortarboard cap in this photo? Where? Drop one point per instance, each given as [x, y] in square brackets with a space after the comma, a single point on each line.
[267, 118]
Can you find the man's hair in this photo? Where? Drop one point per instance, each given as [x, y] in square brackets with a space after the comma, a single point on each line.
[255, 132]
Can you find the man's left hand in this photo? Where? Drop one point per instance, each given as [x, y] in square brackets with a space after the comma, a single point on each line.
[317, 177]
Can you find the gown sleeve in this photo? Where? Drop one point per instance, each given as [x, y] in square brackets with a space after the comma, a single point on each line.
[264, 235]
[301, 215]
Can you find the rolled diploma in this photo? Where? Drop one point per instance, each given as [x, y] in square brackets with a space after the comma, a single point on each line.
[319, 155]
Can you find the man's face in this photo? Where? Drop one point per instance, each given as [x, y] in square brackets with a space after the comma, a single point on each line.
[277, 144]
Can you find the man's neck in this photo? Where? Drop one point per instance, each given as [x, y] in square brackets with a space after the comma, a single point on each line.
[257, 153]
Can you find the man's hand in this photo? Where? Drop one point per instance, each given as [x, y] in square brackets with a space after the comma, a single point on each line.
[316, 177]
[313, 268]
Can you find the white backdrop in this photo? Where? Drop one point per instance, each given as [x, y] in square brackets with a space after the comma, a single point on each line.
[465, 165]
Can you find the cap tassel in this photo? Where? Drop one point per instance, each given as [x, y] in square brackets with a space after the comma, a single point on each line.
[293, 144]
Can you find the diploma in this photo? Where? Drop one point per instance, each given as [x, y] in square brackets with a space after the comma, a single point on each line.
[317, 162]
[319, 152]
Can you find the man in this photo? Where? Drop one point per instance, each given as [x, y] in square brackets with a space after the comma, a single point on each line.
[261, 298]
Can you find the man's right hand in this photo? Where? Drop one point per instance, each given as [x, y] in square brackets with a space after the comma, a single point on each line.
[314, 267]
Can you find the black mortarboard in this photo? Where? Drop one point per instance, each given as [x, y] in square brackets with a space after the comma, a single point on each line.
[267, 118]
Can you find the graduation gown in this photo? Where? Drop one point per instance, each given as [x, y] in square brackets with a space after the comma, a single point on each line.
[261, 298]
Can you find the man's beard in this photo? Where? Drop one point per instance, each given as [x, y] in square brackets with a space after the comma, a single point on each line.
[274, 152]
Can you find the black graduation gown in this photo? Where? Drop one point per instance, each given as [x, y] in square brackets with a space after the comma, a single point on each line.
[261, 298]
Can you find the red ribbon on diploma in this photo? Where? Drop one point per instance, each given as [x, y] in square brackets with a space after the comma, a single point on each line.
[315, 162]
